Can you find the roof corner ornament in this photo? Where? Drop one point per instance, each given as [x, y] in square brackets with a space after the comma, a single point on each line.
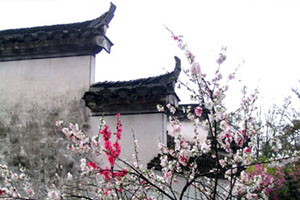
[105, 19]
[177, 68]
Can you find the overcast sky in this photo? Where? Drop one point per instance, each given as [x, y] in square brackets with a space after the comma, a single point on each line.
[265, 34]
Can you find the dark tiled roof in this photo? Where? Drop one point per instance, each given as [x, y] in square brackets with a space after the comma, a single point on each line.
[84, 38]
[140, 94]
[166, 79]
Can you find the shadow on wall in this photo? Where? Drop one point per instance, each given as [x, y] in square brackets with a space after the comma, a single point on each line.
[32, 140]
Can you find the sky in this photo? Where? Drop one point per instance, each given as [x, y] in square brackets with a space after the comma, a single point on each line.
[262, 37]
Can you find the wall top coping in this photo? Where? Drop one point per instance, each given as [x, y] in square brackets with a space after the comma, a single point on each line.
[140, 94]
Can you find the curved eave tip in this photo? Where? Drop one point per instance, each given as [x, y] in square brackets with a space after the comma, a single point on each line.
[178, 63]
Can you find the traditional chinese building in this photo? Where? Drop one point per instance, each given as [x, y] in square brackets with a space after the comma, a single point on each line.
[44, 73]
[48, 73]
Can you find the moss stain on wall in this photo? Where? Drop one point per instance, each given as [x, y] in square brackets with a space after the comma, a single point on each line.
[29, 137]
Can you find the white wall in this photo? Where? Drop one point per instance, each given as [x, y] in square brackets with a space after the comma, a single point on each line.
[148, 129]
[188, 130]
[39, 79]
[33, 93]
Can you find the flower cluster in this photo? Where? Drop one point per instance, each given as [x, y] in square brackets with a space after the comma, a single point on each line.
[81, 141]
[235, 133]
[112, 150]
[265, 181]
[15, 185]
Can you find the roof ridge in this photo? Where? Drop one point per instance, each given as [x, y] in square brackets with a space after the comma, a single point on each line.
[104, 19]
[60, 40]
[141, 81]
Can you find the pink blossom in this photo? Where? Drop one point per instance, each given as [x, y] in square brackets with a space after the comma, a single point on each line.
[198, 111]
[231, 76]
[217, 93]
[29, 191]
[167, 175]
[53, 195]
[94, 143]
[67, 132]
[191, 56]
[195, 68]
[176, 129]
[222, 162]
[226, 87]
[221, 58]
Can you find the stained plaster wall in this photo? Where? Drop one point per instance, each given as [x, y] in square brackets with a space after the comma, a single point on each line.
[149, 129]
[188, 130]
[33, 93]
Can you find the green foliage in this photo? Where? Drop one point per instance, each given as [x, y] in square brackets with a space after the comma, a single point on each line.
[291, 189]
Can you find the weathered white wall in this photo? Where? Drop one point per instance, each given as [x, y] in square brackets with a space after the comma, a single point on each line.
[38, 79]
[33, 93]
[188, 130]
[148, 129]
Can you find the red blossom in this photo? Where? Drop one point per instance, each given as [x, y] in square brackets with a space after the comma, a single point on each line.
[111, 160]
[107, 146]
[113, 151]
[118, 149]
[120, 129]
[106, 173]
[183, 160]
[107, 191]
[248, 150]
[93, 165]
[121, 174]
[106, 133]
[2, 192]
[175, 37]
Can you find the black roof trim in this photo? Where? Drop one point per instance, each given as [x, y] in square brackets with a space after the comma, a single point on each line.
[83, 38]
[104, 19]
[135, 95]
[156, 80]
